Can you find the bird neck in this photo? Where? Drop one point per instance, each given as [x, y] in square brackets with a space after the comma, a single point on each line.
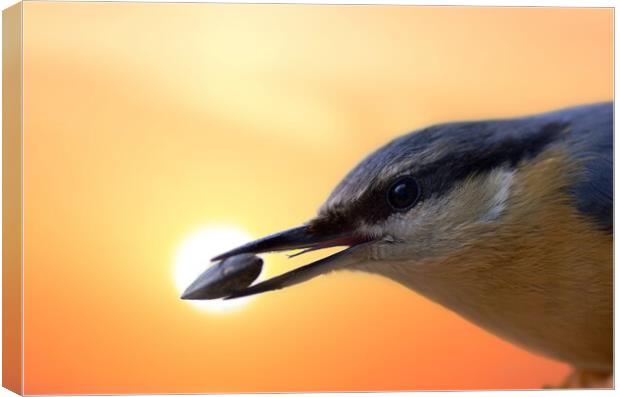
[540, 276]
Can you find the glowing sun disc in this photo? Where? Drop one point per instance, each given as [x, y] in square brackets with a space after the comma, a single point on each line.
[193, 257]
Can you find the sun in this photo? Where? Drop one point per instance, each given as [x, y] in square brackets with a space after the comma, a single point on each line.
[193, 257]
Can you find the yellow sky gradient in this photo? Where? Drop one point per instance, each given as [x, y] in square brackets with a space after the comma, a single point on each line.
[144, 123]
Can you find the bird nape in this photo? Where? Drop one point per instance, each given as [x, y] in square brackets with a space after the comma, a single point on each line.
[506, 222]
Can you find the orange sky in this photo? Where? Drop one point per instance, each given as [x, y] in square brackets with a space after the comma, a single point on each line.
[147, 122]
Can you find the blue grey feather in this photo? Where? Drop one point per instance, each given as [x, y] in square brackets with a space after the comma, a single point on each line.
[590, 142]
[474, 147]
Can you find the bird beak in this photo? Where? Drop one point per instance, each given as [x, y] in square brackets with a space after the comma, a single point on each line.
[302, 237]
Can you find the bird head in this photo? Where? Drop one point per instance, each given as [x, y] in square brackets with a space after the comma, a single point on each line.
[420, 198]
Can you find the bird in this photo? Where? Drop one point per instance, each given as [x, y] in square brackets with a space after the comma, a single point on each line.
[507, 222]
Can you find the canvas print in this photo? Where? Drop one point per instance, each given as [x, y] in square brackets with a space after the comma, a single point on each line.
[231, 198]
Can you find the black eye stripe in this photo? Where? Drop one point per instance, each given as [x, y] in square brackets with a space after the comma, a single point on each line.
[475, 149]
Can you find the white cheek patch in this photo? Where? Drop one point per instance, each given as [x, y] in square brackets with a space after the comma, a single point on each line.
[500, 182]
[438, 225]
[483, 199]
[372, 231]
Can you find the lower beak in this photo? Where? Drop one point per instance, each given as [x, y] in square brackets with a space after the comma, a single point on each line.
[302, 237]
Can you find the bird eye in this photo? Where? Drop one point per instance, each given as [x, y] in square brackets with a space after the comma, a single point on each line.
[403, 193]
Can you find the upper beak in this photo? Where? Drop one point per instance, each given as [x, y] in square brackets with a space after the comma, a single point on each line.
[297, 238]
